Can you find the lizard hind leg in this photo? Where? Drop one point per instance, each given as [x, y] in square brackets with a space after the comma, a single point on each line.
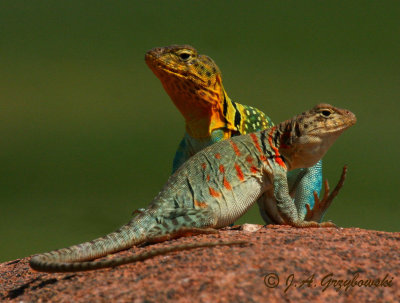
[182, 223]
[182, 232]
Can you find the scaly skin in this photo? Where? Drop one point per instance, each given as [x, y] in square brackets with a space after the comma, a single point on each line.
[194, 83]
[217, 186]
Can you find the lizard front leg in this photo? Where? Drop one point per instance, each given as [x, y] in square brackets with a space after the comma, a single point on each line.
[303, 183]
[181, 155]
[286, 207]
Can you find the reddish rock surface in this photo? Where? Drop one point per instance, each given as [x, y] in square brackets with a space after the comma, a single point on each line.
[232, 273]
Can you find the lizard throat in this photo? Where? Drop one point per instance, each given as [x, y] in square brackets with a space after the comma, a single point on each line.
[201, 107]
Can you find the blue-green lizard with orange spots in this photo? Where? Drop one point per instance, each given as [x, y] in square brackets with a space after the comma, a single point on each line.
[217, 186]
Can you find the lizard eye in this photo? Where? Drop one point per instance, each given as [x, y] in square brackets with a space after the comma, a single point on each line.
[326, 113]
[184, 56]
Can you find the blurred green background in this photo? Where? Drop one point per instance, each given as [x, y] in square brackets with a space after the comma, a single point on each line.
[88, 134]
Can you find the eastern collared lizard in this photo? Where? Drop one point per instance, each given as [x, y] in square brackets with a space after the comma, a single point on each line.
[215, 187]
[194, 83]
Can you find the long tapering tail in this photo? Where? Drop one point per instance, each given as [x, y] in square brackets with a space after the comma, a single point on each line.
[125, 237]
[39, 264]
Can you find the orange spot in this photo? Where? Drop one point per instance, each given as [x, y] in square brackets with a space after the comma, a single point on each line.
[214, 193]
[239, 172]
[208, 177]
[277, 156]
[227, 184]
[280, 162]
[203, 165]
[254, 169]
[249, 159]
[255, 141]
[218, 156]
[263, 158]
[235, 148]
[221, 168]
[200, 204]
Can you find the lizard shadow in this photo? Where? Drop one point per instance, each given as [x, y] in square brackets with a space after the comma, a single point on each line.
[14, 293]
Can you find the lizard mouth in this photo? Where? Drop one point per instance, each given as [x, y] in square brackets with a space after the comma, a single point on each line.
[334, 130]
[347, 120]
[157, 66]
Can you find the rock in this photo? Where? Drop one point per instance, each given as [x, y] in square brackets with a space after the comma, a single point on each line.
[280, 263]
[250, 227]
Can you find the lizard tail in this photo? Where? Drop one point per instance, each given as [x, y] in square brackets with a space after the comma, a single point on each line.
[92, 265]
[60, 260]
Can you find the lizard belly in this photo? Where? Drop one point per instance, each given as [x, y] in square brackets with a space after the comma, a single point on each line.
[235, 203]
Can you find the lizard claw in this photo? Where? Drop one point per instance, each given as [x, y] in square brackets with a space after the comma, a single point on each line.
[321, 206]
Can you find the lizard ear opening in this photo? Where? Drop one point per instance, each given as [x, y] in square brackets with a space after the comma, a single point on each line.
[218, 79]
[285, 141]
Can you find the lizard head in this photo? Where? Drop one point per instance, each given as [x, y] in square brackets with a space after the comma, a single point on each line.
[306, 138]
[193, 81]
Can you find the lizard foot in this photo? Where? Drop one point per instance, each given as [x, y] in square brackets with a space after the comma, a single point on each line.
[313, 224]
[321, 206]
